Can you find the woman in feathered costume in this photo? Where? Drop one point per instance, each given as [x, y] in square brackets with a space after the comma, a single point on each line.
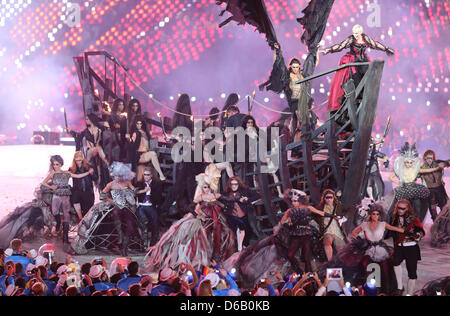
[201, 235]
[406, 170]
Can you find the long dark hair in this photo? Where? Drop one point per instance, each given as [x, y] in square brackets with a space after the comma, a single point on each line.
[183, 106]
[232, 99]
[115, 105]
[248, 118]
[144, 126]
[242, 185]
[130, 106]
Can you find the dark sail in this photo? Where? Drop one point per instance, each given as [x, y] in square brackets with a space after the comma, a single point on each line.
[252, 12]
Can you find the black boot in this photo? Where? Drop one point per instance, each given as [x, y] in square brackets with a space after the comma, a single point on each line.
[123, 249]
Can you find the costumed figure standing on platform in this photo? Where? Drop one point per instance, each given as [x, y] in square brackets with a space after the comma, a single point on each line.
[407, 168]
[375, 185]
[358, 43]
[406, 246]
[201, 235]
[281, 79]
[284, 80]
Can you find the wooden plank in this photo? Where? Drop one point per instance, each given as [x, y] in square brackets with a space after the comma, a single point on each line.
[360, 149]
[349, 89]
[284, 165]
[334, 156]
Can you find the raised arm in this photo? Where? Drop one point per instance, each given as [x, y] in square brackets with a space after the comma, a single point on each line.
[316, 211]
[377, 45]
[339, 47]
[395, 229]
[82, 175]
[430, 170]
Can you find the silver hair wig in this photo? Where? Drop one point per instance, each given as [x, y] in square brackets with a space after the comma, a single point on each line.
[122, 171]
[407, 153]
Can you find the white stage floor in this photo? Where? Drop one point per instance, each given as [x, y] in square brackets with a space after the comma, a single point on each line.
[24, 167]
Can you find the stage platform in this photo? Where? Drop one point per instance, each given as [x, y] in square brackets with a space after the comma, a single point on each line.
[24, 167]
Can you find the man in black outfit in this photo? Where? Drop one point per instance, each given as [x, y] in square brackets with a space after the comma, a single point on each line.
[149, 193]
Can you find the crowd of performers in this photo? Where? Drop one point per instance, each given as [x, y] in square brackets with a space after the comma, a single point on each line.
[218, 224]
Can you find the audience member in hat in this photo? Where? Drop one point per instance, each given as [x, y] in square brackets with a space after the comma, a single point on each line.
[167, 278]
[96, 280]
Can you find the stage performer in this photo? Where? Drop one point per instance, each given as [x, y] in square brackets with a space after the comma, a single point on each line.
[375, 184]
[284, 79]
[406, 246]
[330, 227]
[83, 188]
[150, 199]
[123, 197]
[271, 253]
[141, 153]
[239, 210]
[358, 44]
[407, 167]
[432, 172]
[61, 194]
[89, 142]
[114, 140]
[296, 225]
[201, 235]
[371, 247]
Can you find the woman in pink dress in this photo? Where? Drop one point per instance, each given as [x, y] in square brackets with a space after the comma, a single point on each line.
[358, 44]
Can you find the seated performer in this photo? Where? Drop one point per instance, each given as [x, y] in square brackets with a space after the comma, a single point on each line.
[140, 138]
[201, 235]
[149, 193]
